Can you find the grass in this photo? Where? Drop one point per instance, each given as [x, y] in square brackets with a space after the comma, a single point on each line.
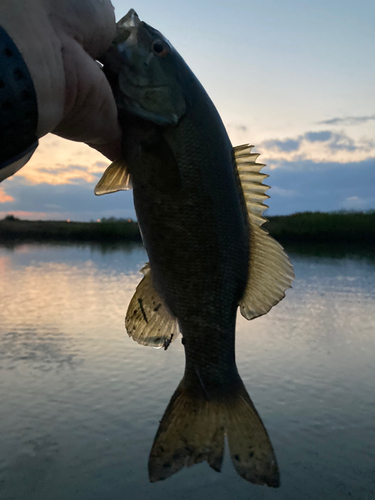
[305, 228]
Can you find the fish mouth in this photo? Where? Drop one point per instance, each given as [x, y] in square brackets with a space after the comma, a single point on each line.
[127, 29]
[130, 20]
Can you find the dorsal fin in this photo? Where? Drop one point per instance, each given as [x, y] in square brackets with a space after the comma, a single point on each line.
[270, 270]
[148, 320]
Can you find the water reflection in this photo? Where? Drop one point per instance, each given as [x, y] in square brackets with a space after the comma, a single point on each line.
[80, 401]
[331, 251]
[43, 350]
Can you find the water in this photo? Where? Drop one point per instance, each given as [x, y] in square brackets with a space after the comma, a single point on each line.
[81, 402]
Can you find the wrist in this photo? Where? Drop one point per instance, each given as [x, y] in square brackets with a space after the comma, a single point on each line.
[30, 29]
[59, 41]
[18, 105]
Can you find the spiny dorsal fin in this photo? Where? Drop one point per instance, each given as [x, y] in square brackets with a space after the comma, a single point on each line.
[115, 178]
[148, 321]
[270, 270]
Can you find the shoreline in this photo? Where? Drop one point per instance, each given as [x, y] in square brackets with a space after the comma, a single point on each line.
[336, 228]
[107, 231]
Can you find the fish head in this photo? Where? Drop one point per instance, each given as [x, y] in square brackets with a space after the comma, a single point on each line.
[149, 81]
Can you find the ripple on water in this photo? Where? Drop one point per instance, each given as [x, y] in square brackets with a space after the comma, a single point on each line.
[80, 401]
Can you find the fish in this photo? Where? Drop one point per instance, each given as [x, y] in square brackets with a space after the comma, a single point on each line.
[199, 204]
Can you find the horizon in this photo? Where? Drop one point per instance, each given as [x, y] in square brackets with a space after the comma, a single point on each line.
[11, 217]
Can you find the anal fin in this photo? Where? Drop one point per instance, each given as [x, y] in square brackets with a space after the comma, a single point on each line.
[148, 320]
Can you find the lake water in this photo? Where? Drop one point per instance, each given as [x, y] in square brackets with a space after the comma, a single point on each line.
[81, 402]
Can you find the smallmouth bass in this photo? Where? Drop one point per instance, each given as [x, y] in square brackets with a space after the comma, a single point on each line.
[199, 204]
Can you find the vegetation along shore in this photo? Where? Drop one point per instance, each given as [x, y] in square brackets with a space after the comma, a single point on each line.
[110, 230]
[304, 227]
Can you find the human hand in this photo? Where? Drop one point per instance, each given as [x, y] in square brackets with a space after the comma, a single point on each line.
[59, 41]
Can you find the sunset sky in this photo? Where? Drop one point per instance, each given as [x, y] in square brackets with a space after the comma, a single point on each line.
[293, 77]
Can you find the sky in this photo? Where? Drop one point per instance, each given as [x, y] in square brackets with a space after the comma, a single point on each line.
[293, 77]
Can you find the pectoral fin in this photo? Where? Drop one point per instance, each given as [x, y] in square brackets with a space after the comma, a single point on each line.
[270, 270]
[115, 178]
[148, 320]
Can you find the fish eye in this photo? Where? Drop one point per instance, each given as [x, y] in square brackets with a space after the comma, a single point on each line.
[160, 48]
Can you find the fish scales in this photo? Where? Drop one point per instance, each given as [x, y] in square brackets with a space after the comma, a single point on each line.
[197, 236]
[203, 245]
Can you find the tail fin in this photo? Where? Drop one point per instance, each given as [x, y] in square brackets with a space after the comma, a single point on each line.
[193, 428]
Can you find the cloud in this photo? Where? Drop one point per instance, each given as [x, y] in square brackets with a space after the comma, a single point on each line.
[63, 168]
[65, 201]
[355, 203]
[286, 145]
[238, 133]
[21, 214]
[58, 161]
[289, 145]
[323, 145]
[348, 120]
[295, 186]
[288, 193]
[238, 127]
[334, 140]
[61, 174]
[323, 136]
[324, 186]
[342, 142]
[4, 197]
[317, 170]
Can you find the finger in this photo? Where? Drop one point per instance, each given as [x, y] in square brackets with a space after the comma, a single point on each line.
[90, 112]
[90, 22]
